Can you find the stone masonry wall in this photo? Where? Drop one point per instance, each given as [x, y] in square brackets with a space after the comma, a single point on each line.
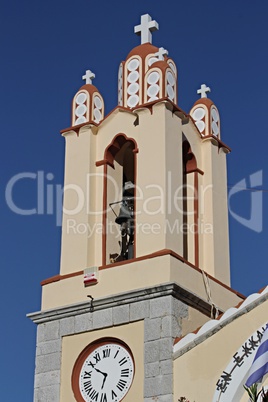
[162, 323]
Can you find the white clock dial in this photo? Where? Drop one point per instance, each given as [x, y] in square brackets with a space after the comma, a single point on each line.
[106, 373]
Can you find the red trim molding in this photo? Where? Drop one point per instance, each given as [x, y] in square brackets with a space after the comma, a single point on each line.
[217, 140]
[104, 162]
[196, 170]
[196, 219]
[77, 128]
[157, 254]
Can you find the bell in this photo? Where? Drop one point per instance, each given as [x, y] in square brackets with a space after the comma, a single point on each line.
[124, 215]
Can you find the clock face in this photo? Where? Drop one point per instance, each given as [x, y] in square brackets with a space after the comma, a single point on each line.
[103, 372]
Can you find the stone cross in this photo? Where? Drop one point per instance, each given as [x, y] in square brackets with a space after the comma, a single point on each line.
[203, 91]
[88, 77]
[161, 53]
[146, 27]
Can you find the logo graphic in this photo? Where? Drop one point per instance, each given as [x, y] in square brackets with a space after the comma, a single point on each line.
[254, 222]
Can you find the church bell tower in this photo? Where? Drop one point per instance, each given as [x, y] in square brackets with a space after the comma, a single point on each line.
[145, 247]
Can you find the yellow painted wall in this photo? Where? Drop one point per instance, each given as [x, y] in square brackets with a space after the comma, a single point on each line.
[72, 346]
[196, 372]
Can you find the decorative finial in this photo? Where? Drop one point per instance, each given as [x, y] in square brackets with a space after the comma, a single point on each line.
[161, 53]
[88, 77]
[145, 29]
[203, 91]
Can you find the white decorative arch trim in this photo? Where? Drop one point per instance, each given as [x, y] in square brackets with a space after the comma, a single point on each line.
[230, 385]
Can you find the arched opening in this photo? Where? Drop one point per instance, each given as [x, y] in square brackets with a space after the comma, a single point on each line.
[190, 205]
[119, 200]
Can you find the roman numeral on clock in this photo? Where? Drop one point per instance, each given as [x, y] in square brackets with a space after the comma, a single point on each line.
[113, 395]
[87, 386]
[121, 384]
[125, 372]
[87, 374]
[94, 395]
[106, 353]
[122, 361]
[97, 357]
[103, 398]
[90, 391]
[116, 354]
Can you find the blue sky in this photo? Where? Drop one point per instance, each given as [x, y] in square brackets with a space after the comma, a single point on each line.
[45, 49]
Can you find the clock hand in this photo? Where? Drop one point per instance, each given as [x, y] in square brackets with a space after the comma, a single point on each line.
[105, 376]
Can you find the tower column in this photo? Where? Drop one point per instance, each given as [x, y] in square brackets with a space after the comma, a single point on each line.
[79, 219]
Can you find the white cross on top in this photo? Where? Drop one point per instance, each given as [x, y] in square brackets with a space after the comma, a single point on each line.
[203, 91]
[145, 29]
[88, 77]
[161, 53]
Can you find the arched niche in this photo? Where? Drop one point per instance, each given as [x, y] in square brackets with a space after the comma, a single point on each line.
[190, 204]
[119, 200]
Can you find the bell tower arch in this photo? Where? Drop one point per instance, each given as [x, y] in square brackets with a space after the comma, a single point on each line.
[119, 200]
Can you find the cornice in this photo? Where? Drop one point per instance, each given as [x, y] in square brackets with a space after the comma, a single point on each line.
[89, 306]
